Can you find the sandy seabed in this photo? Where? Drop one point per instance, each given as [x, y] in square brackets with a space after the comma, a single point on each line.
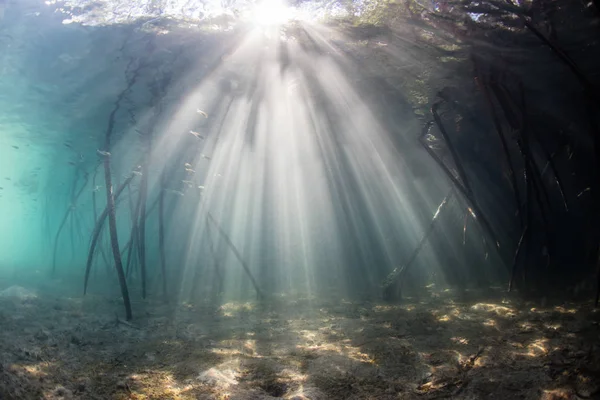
[487, 345]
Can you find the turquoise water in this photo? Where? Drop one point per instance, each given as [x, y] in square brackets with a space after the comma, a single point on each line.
[317, 200]
[289, 157]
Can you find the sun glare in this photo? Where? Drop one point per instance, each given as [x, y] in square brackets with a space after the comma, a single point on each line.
[272, 12]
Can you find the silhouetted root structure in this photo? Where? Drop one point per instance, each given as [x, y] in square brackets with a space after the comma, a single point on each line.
[568, 61]
[110, 198]
[69, 212]
[133, 237]
[498, 126]
[464, 190]
[114, 240]
[237, 255]
[161, 238]
[141, 224]
[597, 282]
[515, 258]
[391, 285]
[98, 229]
[217, 289]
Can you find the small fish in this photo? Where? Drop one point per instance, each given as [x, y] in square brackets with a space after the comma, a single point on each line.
[199, 136]
[187, 182]
[16, 147]
[201, 187]
[71, 163]
[190, 171]
[199, 111]
[8, 179]
[205, 156]
[187, 165]
[177, 192]
[68, 145]
[103, 153]
[96, 189]
[138, 173]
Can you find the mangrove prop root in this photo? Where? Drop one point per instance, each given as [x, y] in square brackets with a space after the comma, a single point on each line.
[534, 179]
[455, 157]
[133, 237]
[161, 237]
[479, 216]
[515, 259]
[110, 198]
[142, 226]
[395, 277]
[94, 208]
[237, 255]
[60, 228]
[97, 230]
[112, 224]
[215, 264]
[585, 82]
[557, 179]
[74, 198]
[130, 245]
[213, 252]
[597, 281]
[498, 126]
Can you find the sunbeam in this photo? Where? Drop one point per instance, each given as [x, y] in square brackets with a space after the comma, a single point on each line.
[294, 165]
[298, 199]
[272, 12]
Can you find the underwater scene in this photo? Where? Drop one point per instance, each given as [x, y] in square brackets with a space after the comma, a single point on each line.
[299, 199]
